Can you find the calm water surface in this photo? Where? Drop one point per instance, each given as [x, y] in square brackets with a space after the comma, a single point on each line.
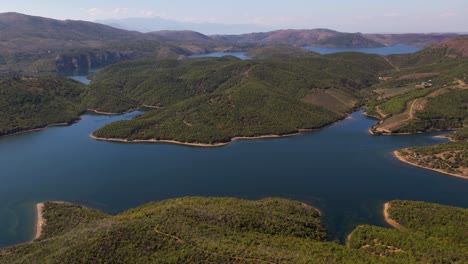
[397, 49]
[240, 55]
[341, 169]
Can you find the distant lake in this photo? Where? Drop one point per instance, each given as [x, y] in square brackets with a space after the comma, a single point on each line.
[397, 49]
[240, 55]
[341, 169]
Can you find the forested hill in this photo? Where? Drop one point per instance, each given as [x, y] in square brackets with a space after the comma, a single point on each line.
[35, 102]
[215, 100]
[230, 230]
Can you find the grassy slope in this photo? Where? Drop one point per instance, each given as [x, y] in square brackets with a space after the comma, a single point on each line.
[214, 100]
[35, 102]
[227, 230]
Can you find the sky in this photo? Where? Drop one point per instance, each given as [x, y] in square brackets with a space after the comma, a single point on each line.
[367, 16]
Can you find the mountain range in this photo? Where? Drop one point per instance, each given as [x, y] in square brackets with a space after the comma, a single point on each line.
[32, 44]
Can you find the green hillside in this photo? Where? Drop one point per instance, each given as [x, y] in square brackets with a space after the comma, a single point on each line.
[213, 100]
[431, 233]
[35, 102]
[229, 230]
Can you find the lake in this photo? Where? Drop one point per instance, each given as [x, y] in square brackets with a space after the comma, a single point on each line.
[341, 169]
[397, 49]
[240, 55]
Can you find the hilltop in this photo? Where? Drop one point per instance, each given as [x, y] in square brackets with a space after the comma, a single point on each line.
[317, 37]
[180, 35]
[24, 33]
[230, 230]
[331, 38]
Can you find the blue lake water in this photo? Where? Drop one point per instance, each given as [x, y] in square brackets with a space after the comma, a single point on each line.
[341, 169]
[240, 55]
[397, 49]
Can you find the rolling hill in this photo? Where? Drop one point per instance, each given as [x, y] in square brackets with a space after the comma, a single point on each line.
[230, 230]
[180, 35]
[330, 38]
[214, 100]
[35, 102]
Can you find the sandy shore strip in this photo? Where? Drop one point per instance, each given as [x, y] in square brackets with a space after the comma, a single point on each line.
[389, 220]
[272, 136]
[101, 112]
[152, 106]
[40, 128]
[400, 157]
[121, 140]
[40, 221]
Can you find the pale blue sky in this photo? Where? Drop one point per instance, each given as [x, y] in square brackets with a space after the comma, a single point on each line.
[343, 15]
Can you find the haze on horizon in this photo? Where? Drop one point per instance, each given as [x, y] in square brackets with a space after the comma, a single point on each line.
[367, 16]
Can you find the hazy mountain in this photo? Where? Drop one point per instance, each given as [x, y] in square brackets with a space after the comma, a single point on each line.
[415, 39]
[180, 35]
[158, 24]
[24, 33]
[330, 38]
[311, 37]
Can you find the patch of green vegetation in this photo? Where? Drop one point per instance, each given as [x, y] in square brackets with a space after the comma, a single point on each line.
[398, 104]
[447, 111]
[64, 217]
[433, 234]
[280, 52]
[35, 102]
[432, 220]
[227, 230]
[461, 134]
[449, 157]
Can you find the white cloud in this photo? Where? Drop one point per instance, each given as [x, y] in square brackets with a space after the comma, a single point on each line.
[120, 11]
[94, 11]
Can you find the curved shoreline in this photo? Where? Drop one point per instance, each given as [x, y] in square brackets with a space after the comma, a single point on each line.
[40, 221]
[121, 140]
[389, 220]
[41, 128]
[401, 158]
[222, 144]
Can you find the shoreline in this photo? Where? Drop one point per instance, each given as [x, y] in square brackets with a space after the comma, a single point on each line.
[40, 221]
[40, 128]
[121, 140]
[389, 220]
[222, 144]
[398, 155]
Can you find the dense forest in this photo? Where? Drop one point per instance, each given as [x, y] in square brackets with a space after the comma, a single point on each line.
[35, 102]
[213, 100]
[227, 230]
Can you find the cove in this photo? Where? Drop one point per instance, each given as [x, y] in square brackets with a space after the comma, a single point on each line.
[341, 169]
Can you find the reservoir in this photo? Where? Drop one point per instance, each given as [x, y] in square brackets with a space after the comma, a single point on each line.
[341, 169]
[389, 50]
